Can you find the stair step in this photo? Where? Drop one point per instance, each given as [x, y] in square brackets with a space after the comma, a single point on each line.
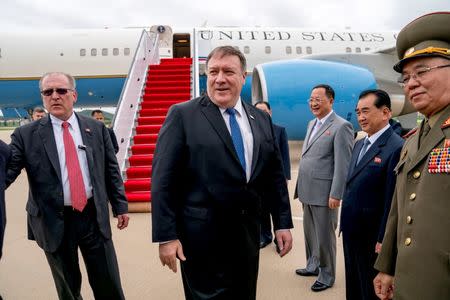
[148, 129]
[151, 120]
[134, 185]
[153, 112]
[183, 67]
[171, 96]
[158, 104]
[139, 172]
[160, 77]
[143, 148]
[169, 72]
[141, 160]
[145, 139]
[168, 83]
[168, 90]
[178, 60]
[139, 197]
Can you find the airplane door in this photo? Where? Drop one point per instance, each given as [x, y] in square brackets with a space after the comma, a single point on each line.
[181, 45]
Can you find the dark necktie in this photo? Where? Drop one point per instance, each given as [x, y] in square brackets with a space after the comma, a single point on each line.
[363, 150]
[425, 130]
[77, 190]
[236, 136]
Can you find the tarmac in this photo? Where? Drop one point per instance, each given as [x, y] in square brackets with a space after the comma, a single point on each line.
[24, 272]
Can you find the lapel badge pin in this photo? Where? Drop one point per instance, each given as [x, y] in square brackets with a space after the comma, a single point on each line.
[447, 143]
[88, 130]
[252, 117]
[327, 132]
[377, 160]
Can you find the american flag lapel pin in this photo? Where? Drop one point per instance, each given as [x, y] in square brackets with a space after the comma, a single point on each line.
[377, 160]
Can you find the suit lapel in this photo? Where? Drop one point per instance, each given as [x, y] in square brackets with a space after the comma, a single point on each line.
[45, 132]
[256, 135]
[359, 144]
[86, 136]
[308, 134]
[371, 153]
[322, 129]
[213, 115]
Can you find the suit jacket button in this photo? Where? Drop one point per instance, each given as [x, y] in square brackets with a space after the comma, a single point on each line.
[412, 197]
[408, 220]
[416, 174]
[61, 214]
[408, 241]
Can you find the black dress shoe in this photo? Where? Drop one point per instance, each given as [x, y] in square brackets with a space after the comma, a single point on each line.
[304, 272]
[318, 286]
[262, 244]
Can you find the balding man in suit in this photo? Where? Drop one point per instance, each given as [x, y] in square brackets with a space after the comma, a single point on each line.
[72, 173]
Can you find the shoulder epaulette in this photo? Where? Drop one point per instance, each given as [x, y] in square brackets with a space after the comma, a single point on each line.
[410, 133]
[446, 123]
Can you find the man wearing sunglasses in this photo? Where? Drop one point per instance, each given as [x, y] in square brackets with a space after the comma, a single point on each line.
[72, 172]
[414, 261]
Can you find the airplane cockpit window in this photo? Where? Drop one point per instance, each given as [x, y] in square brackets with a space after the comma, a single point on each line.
[288, 50]
[308, 50]
[358, 50]
[298, 50]
[93, 52]
[348, 50]
[246, 49]
[104, 51]
[268, 49]
[115, 51]
[126, 51]
[82, 52]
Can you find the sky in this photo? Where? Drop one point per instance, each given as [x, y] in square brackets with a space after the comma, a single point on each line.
[358, 15]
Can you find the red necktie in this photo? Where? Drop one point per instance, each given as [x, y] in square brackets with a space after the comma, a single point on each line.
[77, 190]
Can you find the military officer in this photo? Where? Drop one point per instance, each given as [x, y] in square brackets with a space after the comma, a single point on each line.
[416, 246]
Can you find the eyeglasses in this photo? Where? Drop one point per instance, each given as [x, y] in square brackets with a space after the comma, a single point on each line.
[315, 100]
[418, 74]
[59, 91]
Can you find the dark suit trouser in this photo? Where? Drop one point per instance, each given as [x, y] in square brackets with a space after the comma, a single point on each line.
[81, 231]
[360, 256]
[230, 270]
[319, 225]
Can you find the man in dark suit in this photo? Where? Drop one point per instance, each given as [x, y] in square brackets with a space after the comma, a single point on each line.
[216, 161]
[323, 167]
[283, 146]
[5, 154]
[368, 193]
[98, 115]
[72, 172]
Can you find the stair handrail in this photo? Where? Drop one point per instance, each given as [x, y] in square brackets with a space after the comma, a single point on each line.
[126, 111]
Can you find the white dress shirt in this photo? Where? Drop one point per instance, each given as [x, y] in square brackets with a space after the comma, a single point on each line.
[317, 128]
[246, 132]
[374, 137]
[74, 130]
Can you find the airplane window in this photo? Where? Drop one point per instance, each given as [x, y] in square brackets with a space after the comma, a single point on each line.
[115, 51]
[82, 52]
[348, 50]
[288, 50]
[104, 51]
[358, 50]
[367, 49]
[308, 50]
[126, 51]
[93, 52]
[299, 50]
[268, 49]
[246, 49]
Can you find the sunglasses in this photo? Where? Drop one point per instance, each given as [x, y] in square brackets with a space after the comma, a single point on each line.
[59, 91]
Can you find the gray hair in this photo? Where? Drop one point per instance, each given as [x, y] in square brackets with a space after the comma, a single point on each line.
[69, 77]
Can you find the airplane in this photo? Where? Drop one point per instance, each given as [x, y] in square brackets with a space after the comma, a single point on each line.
[282, 64]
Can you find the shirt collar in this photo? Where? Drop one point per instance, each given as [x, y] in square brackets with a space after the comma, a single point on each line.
[374, 137]
[238, 107]
[55, 121]
[324, 119]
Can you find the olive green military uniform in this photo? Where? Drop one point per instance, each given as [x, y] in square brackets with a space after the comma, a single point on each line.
[416, 246]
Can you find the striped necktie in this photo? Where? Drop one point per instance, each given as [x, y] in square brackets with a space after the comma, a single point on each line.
[363, 150]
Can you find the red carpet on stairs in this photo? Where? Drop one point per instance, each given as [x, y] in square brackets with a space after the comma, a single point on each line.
[167, 83]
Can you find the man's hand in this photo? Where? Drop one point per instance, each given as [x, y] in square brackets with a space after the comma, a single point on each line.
[378, 248]
[333, 203]
[122, 221]
[384, 286]
[168, 253]
[284, 241]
